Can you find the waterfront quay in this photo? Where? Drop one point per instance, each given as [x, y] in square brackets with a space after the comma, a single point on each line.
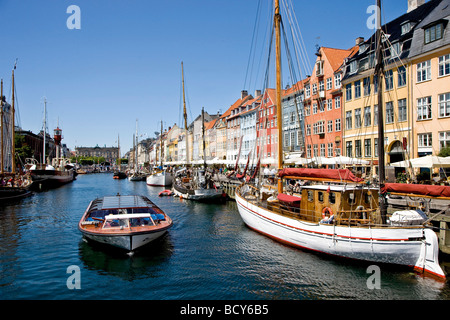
[209, 254]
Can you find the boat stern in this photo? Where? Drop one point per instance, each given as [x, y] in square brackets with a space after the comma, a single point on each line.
[428, 262]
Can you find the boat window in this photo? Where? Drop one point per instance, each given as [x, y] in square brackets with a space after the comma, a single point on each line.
[141, 222]
[116, 223]
[320, 196]
[367, 197]
[310, 195]
[332, 198]
[351, 198]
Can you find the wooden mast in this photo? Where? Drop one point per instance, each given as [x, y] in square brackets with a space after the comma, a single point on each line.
[185, 117]
[379, 70]
[161, 146]
[1, 119]
[277, 21]
[203, 135]
[13, 147]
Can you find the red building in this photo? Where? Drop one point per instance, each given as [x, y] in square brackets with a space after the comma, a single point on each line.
[323, 104]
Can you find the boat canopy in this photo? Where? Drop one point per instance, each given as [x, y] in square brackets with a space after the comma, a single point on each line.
[127, 216]
[418, 189]
[289, 199]
[326, 174]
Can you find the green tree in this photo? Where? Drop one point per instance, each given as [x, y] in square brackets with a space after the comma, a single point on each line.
[445, 152]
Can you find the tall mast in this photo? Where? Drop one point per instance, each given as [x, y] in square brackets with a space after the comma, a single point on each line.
[44, 160]
[379, 70]
[1, 119]
[203, 135]
[13, 147]
[277, 21]
[185, 116]
[161, 146]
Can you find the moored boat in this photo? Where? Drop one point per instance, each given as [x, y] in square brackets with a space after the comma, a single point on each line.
[125, 222]
[160, 179]
[337, 213]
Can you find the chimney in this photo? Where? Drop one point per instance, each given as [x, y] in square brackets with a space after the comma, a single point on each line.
[257, 93]
[244, 93]
[414, 4]
[359, 40]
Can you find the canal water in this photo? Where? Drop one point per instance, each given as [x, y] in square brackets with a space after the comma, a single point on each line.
[209, 254]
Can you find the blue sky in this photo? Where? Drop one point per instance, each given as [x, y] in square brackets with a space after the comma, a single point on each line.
[125, 61]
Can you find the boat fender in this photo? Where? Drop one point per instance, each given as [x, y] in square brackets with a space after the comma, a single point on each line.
[327, 213]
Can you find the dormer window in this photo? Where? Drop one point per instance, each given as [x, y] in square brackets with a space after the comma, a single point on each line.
[353, 66]
[406, 27]
[434, 33]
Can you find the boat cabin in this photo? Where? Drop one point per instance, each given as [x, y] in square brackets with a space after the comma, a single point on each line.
[332, 204]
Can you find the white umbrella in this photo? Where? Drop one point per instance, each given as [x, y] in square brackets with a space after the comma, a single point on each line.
[424, 162]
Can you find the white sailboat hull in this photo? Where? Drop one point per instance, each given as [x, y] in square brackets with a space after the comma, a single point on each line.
[415, 247]
[160, 179]
[199, 194]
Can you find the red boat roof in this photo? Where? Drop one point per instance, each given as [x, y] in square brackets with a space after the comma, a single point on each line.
[326, 174]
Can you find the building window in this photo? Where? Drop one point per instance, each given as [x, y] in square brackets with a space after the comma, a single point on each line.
[402, 112]
[425, 140]
[307, 110]
[348, 120]
[316, 150]
[366, 83]
[330, 149]
[401, 76]
[308, 130]
[424, 108]
[329, 84]
[367, 148]
[444, 139]
[308, 91]
[389, 112]
[314, 88]
[358, 118]
[424, 71]
[367, 116]
[444, 65]
[444, 105]
[357, 89]
[358, 148]
[338, 124]
[329, 104]
[322, 150]
[348, 92]
[375, 147]
[349, 149]
[315, 108]
[375, 115]
[337, 102]
[321, 86]
[330, 126]
[433, 33]
[308, 151]
[337, 80]
[389, 77]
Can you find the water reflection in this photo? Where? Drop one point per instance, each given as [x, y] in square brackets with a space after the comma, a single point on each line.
[143, 263]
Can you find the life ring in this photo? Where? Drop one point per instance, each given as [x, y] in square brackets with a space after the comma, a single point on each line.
[165, 193]
[325, 211]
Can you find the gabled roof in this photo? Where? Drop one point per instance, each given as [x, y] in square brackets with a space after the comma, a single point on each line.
[335, 57]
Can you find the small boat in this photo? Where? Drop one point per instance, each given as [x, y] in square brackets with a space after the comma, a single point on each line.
[119, 175]
[165, 193]
[126, 222]
[160, 179]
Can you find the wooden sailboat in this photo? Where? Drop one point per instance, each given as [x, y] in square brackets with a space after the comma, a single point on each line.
[13, 186]
[196, 183]
[160, 178]
[337, 214]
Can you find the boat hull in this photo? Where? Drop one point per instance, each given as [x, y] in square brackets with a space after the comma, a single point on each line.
[51, 178]
[161, 179]
[414, 247]
[198, 194]
[129, 242]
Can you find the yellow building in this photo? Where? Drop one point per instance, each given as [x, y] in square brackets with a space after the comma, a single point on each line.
[430, 79]
[360, 95]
